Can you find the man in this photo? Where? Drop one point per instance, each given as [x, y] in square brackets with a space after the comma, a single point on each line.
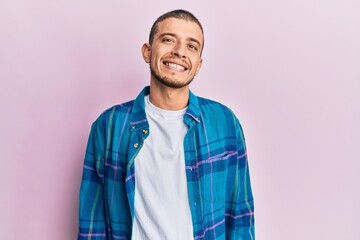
[169, 164]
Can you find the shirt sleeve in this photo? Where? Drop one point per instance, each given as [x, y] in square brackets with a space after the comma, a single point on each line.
[92, 224]
[241, 211]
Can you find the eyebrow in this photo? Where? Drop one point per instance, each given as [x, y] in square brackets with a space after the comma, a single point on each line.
[174, 35]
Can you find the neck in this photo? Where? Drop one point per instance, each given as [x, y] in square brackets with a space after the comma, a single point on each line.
[168, 98]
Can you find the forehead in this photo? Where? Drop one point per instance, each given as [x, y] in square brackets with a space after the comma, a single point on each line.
[181, 27]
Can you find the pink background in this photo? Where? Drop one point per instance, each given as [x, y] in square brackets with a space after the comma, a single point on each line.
[289, 69]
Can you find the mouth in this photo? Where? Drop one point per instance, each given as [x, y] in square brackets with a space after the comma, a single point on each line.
[175, 66]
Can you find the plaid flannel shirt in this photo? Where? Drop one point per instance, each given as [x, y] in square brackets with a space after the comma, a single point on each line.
[220, 195]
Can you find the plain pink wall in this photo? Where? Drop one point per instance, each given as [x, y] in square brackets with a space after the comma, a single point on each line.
[289, 69]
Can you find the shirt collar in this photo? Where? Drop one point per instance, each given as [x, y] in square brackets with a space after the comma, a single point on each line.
[193, 109]
[138, 116]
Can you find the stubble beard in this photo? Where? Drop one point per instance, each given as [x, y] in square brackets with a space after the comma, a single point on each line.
[168, 82]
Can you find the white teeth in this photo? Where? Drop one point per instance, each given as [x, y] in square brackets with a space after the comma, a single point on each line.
[173, 65]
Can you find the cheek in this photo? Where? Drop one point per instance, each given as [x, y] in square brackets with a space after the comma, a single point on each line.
[197, 65]
[155, 59]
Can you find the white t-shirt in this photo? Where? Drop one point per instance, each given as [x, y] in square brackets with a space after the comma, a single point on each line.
[162, 210]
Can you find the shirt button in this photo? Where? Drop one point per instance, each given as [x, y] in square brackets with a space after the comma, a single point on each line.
[133, 127]
[136, 145]
[145, 131]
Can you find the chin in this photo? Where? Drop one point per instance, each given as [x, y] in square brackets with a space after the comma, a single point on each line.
[170, 83]
[173, 84]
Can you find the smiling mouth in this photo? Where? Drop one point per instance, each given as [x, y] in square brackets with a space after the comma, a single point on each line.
[175, 66]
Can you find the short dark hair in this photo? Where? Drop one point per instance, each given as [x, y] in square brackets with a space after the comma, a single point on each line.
[179, 14]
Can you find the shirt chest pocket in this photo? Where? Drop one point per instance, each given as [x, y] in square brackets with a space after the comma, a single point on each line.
[214, 178]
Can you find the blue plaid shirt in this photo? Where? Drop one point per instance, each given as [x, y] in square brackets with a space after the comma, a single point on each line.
[220, 196]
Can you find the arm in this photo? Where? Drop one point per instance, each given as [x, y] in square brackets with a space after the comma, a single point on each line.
[92, 223]
[240, 213]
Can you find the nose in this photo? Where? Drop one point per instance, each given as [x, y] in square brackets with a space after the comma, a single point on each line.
[179, 50]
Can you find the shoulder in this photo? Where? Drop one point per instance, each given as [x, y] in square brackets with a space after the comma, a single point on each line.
[220, 118]
[217, 115]
[208, 106]
[114, 112]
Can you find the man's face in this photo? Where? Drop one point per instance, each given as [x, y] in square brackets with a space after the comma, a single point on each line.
[174, 56]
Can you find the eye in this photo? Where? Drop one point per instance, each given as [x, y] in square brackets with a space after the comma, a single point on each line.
[193, 47]
[168, 40]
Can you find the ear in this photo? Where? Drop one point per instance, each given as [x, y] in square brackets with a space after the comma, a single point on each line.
[199, 66]
[146, 52]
